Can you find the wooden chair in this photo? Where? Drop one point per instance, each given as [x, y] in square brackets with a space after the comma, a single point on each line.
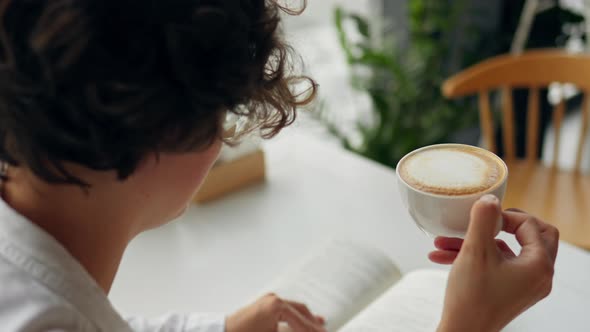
[558, 197]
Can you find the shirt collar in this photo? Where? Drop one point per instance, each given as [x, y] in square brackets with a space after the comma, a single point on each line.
[46, 260]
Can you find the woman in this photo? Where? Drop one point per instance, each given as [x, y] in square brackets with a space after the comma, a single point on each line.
[111, 114]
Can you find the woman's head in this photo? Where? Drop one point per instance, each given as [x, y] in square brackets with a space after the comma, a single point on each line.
[126, 98]
[104, 84]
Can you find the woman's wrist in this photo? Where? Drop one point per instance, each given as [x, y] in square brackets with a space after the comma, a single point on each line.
[465, 324]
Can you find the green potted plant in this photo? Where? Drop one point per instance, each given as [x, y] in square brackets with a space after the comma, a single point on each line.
[408, 110]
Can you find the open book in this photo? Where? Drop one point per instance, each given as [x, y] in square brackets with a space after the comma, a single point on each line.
[357, 288]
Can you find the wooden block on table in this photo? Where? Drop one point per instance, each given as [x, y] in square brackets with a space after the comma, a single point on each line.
[231, 176]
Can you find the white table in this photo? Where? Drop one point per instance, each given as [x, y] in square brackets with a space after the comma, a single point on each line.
[221, 255]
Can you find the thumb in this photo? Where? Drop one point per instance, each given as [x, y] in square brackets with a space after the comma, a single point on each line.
[484, 223]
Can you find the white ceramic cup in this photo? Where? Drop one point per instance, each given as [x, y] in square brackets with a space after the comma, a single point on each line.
[445, 215]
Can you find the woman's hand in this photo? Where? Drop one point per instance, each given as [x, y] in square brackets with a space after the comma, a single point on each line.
[265, 315]
[489, 285]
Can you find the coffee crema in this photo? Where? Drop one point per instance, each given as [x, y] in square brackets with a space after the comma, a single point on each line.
[452, 170]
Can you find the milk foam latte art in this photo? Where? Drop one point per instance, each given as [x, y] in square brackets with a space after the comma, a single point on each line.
[439, 184]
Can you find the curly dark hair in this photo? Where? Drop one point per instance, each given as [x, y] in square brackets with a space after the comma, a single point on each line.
[102, 83]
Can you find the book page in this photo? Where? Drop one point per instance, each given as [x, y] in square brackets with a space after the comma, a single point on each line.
[414, 304]
[338, 280]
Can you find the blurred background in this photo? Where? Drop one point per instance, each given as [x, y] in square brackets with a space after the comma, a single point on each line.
[381, 64]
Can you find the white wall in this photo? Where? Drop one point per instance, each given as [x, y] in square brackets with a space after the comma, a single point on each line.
[319, 12]
[314, 37]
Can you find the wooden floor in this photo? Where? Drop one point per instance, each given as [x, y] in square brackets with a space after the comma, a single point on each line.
[557, 197]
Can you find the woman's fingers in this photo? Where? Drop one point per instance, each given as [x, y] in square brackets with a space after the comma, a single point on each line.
[295, 314]
[297, 321]
[550, 235]
[448, 249]
[305, 312]
[483, 226]
[515, 210]
[448, 243]
[505, 249]
[454, 244]
[531, 231]
[445, 257]
[320, 319]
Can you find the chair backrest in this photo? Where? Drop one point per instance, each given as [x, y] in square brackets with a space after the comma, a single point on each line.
[533, 70]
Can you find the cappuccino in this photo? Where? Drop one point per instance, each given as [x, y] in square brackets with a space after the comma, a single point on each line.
[452, 170]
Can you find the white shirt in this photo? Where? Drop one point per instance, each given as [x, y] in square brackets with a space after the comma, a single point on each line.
[43, 288]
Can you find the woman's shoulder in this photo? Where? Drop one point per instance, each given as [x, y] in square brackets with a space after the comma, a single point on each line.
[26, 305]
